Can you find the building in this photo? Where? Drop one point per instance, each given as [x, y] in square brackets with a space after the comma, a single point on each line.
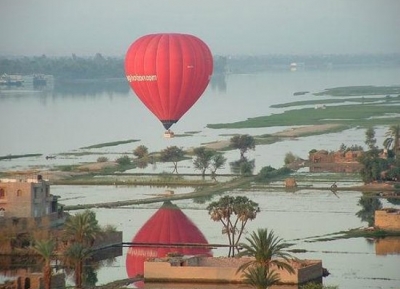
[387, 219]
[222, 270]
[27, 210]
[26, 199]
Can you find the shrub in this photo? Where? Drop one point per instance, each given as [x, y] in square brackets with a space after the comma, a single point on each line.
[268, 173]
[290, 158]
[124, 160]
[109, 228]
[102, 159]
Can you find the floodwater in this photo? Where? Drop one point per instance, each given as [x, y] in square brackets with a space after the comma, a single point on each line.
[59, 121]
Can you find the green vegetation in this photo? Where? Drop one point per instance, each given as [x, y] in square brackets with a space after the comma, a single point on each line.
[352, 233]
[360, 90]
[9, 157]
[359, 100]
[141, 152]
[233, 213]
[102, 159]
[346, 115]
[378, 168]
[172, 154]
[77, 67]
[110, 144]
[268, 174]
[267, 250]
[290, 158]
[243, 143]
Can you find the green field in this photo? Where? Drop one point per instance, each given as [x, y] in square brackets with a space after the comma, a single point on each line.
[349, 111]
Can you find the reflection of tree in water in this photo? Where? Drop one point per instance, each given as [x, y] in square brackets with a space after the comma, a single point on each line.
[369, 206]
[91, 267]
[89, 276]
[202, 199]
[218, 83]
[242, 166]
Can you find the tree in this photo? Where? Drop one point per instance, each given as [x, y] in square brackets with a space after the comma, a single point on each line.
[74, 257]
[217, 162]
[370, 139]
[124, 160]
[290, 158]
[172, 154]
[141, 152]
[392, 140]
[243, 143]
[82, 228]
[233, 213]
[202, 159]
[369, 206]
[45, 250]
[267, 251]
[260, 277]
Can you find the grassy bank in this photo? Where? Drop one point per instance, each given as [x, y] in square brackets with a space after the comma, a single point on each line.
[364, 111]
[346, 115]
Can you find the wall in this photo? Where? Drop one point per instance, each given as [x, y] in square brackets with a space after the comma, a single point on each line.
[25, 198]
[387, 219]
[220, 271]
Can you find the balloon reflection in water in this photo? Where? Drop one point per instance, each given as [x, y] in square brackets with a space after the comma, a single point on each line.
[169, 225]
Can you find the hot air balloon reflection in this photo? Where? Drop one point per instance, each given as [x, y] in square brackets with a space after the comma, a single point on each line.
[168, 72]
[169, 225]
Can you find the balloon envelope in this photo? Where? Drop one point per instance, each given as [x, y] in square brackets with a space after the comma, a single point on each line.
[168, 72]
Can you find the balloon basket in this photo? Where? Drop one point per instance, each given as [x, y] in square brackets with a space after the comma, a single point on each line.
[169, 134]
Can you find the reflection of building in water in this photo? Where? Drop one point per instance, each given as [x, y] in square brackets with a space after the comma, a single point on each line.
[387, 246]
[26, 279]
[169, 225]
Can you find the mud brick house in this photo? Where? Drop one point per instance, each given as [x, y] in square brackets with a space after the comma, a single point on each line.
[27, 208]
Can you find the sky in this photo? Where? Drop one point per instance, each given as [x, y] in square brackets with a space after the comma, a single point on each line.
[229, 27]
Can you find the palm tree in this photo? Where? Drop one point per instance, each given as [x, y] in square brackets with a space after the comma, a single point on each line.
[267, 250]
[45, 250]
[82, 228]
[260, 277]
[74, 257]
[392, 140]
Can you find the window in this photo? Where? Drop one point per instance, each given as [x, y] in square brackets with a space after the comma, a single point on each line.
[19, 193]
[2, 193]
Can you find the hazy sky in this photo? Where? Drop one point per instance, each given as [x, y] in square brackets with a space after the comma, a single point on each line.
[85, 27]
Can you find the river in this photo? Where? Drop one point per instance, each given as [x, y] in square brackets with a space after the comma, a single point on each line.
[57, 121]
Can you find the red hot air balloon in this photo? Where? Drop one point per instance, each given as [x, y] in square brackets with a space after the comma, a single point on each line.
[168, 72]
[169, 225]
